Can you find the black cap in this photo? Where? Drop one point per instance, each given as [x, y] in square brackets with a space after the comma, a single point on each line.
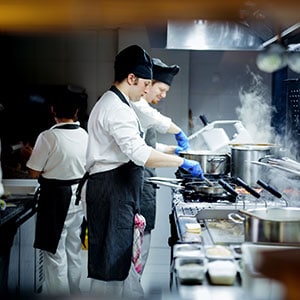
[133, 59]
[163, 72]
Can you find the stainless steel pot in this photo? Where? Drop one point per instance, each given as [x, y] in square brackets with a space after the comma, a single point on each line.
[211, 163]
[270, 225]
[242, 156]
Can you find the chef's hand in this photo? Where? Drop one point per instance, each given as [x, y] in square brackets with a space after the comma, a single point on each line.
[182, 142]
[193, 167]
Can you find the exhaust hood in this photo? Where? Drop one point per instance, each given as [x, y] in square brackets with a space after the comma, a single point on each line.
[226, 35]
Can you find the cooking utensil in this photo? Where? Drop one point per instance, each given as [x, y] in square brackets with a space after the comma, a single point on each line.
[212, 163]
[271, 225]
[226, 186]
[166, 179]
[195, 185]
[203, 188]
[208, 181]
[271, 190]
[247, 188]
[242, 156]
[165, 183]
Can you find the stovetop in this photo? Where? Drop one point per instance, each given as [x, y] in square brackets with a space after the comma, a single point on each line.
[194, 193]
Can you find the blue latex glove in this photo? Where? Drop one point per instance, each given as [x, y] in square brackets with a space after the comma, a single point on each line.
[178, 150]
[193, 167]
[182, 141]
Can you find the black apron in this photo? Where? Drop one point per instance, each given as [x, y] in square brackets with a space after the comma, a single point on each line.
[53, 203]
[112, 199]
[148, 200]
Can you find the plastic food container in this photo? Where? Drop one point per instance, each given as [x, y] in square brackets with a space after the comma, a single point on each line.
[188, 250]
[222, 272]
[190, 270]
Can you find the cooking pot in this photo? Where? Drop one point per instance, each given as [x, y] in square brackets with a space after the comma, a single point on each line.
[270, 225]
[212, 163]
[242, 156]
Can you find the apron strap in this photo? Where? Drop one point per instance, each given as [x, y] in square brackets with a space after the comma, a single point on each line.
[123, 99]
[68, 126]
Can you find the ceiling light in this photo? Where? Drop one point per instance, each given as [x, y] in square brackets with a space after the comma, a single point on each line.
[272, 59]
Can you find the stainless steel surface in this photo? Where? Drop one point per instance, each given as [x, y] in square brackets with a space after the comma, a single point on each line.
[272, 225]
[165, 183]
[212, 163]
[242, 156]
[20, 186]
[248, 33]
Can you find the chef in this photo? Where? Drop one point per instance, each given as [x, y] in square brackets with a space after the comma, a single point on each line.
[152, 120]
[58, 161]
[116, 156]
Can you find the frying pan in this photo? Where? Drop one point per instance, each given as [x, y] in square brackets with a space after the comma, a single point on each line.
[200, 186]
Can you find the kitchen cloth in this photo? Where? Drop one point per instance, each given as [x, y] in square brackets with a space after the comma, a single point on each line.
[138, 234]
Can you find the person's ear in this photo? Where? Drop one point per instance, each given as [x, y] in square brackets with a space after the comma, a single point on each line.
[131, 78]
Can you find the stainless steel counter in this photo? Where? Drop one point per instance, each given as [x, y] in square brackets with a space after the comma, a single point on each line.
[251, 289]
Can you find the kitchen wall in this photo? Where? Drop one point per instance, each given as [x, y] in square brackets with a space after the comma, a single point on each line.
[208, 81]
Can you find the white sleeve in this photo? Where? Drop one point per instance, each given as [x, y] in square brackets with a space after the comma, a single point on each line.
[40, 153]
[151, 117]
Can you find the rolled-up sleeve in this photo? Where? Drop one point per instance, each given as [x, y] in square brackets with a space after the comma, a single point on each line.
[127, 135]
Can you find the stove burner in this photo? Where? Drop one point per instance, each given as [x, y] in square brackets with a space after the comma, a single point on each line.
[191, 194]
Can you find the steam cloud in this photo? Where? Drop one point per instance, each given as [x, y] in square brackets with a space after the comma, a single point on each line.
[255, 111]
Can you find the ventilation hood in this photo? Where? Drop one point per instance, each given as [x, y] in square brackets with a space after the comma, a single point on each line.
[213, 35]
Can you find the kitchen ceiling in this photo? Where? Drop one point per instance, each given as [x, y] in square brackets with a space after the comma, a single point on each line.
[176, 24]
[73, 14]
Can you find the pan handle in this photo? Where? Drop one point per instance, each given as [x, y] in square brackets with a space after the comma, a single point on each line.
[227, 187]
[269, 188]
[248, 188]
[272, 190]
[203, 119]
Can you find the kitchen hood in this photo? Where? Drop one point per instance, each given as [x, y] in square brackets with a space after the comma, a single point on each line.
[247, 35]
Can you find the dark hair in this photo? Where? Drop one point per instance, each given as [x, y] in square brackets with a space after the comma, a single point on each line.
[66, 105]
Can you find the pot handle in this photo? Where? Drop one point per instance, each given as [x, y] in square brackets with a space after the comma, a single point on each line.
[216, 159]
[248, 188]
[236, 218]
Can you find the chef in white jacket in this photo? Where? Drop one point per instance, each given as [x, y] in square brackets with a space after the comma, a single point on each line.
[151, 121]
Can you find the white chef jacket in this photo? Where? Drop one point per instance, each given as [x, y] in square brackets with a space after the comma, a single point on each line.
[114, 135]
[64, 160]
[151, 118]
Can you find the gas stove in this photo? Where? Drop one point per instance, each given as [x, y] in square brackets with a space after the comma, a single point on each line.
[198, 191]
